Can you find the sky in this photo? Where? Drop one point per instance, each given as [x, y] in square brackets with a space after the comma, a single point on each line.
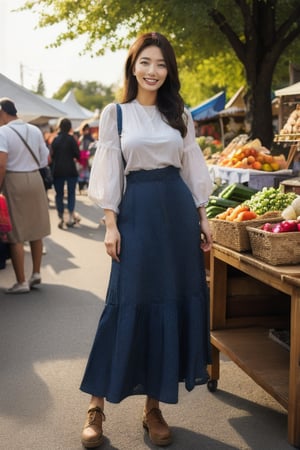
[23, 56]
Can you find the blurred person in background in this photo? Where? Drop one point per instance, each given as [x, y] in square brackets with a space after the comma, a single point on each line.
[22, 184]
[64, 154]
[84, 142]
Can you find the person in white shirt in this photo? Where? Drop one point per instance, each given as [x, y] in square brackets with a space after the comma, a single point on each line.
[150, 177]
[23, 187]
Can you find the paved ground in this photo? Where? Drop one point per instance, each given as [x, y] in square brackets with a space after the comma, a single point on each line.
[45, 338]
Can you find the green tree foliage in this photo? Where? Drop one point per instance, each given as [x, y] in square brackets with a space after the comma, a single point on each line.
[209, 77]
[258, 32]
[91, 95]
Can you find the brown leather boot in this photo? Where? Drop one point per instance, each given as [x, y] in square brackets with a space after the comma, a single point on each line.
[92, 434]
[157, 427]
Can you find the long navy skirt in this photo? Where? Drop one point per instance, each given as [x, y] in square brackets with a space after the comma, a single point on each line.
[154, 329]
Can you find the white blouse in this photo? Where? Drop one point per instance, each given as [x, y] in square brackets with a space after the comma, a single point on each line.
[147, 142]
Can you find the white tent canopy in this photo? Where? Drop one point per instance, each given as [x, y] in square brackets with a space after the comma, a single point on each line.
[71, 109]
[31, 107]
[288, 98]
[293, 89]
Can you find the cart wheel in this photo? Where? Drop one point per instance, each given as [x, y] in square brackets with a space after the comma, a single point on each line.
[212, 385]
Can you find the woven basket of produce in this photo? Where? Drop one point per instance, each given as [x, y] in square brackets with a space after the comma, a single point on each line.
[234, 235]
[275, 248]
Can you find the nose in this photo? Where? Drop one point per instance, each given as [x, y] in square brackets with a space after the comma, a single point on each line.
[151, 69]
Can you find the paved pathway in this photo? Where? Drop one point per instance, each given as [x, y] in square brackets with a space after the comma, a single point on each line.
[45, 338]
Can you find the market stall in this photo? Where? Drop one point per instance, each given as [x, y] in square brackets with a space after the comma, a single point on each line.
[254, 280]
[254, 178]
[249, 299]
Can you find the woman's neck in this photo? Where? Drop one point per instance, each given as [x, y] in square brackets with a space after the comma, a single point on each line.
[147, 99]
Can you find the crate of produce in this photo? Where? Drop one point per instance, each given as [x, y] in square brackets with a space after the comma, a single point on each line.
[234, 235]
[275, 248]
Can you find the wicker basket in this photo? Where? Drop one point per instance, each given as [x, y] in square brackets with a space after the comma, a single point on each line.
[234, 235]
[275, 248]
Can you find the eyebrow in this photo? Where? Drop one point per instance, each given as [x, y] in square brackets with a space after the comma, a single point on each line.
[148, 59]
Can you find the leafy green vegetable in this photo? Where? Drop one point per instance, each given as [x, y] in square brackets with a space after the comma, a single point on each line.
[270, 199]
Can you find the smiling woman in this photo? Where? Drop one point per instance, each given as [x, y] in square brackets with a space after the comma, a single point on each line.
[154, 330]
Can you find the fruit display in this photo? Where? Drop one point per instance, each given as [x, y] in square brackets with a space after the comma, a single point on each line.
[252, 155]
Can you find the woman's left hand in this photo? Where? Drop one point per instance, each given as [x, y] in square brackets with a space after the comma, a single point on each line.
[206, 241]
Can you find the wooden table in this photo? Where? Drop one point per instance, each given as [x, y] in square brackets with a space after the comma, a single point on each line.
[248, 297]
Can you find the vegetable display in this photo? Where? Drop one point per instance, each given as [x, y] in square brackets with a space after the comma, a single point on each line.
[292, 211]
[270, 199]
[230, 196]
[286, 226]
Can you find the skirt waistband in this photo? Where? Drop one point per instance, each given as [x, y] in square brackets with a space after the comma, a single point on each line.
[169, 173]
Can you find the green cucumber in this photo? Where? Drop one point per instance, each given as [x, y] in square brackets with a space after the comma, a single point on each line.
[223, 202]
[237, 192]
[213, 211]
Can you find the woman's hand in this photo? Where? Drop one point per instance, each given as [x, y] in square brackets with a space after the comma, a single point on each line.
[206, 242]
[112, 238]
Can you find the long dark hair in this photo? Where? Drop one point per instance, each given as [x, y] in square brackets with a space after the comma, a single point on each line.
[169, 101]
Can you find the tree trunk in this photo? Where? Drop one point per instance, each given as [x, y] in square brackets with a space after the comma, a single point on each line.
[259, 53]
[259, 110]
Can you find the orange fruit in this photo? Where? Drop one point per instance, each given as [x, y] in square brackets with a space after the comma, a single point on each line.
[275, 166]
[256, 165]
[268, 158]
[250, 159]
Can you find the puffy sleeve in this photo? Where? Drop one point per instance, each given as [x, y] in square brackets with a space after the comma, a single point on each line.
[194, 170]
[107, 172]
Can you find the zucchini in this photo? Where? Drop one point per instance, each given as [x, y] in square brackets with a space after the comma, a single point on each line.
[213, 211]
[237, 192]
[223, 202]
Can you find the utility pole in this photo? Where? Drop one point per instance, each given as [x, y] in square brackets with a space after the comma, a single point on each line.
[21, 75]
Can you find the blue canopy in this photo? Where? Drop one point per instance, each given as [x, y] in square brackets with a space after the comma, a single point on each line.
[209, 108]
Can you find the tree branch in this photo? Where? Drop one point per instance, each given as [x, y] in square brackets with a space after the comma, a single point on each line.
[226, 29]
[285, 26]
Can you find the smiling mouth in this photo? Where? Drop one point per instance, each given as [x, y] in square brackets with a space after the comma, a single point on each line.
[150, 80]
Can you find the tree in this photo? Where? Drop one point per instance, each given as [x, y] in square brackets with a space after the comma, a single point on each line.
[41, 86]
[258, 31]
[208, 78]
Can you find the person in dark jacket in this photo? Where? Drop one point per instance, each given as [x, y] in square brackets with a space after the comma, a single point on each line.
[64, 153]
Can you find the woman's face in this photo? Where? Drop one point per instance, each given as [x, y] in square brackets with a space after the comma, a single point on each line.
[150, 69]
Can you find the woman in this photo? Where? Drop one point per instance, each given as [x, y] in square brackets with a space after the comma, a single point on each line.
[23, 186]
[154, 330]
[64, 152]
[84, 142]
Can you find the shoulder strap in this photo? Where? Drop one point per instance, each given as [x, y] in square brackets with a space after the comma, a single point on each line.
[25, 143]
[119, 119]
[120, 124]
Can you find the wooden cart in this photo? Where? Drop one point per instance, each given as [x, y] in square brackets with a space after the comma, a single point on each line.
[248, 298]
